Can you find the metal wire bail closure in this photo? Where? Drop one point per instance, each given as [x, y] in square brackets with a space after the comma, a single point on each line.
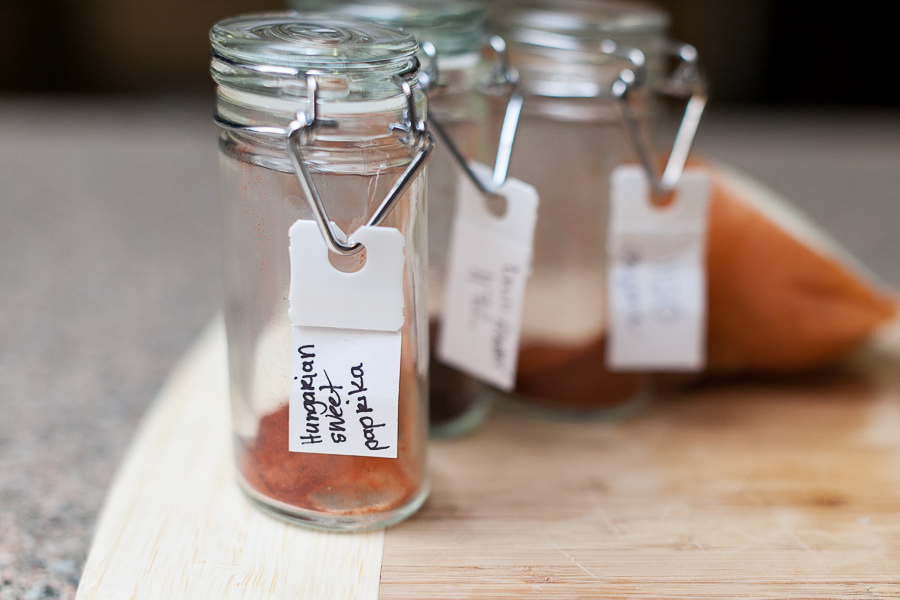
[502, 76]
[686, 80]
[301, 132]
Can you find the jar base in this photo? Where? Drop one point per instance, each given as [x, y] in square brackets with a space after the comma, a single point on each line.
[629, 409]
[468, 421]
[327, 522]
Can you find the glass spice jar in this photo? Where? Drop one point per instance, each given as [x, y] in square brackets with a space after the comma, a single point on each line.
[321, 122]
[452, 36]
[570, 56]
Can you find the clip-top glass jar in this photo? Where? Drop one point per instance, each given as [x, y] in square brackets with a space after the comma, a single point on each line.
[321, 122]
[570, 56]
[452, 36]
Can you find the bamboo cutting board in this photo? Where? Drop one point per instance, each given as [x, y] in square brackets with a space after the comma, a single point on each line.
[175, 526]
[749, 491]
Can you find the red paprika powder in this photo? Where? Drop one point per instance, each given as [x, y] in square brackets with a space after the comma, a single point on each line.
[334, 484]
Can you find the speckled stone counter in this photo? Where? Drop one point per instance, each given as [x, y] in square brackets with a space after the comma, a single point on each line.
[109, 268]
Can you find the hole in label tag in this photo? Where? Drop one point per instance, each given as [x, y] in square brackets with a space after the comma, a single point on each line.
[348, 264]
[496, 204]
[664, 201]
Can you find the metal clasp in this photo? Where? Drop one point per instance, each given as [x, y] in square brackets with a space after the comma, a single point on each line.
[301, 132]
[504, 78]
[685, 80]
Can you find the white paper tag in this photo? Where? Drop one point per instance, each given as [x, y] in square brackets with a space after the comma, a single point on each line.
[346, 342]
[488, 266]
[656, 281]
[322, 296]
[344, 390]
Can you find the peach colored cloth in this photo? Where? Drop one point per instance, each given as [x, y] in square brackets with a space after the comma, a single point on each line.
[775, 304]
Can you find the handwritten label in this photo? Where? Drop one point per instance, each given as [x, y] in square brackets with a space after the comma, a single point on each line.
[344, 390]
[656, 277]
[345, 345]
[488, 268]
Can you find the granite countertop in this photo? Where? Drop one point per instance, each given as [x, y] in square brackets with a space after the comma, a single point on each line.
[109, 268]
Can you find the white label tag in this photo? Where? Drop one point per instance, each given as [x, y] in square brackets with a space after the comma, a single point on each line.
[488, 267]
[344, 390]
[322, 296]
[346, 342]
[656, 281]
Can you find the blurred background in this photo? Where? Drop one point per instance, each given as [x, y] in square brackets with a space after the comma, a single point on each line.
[756, 51]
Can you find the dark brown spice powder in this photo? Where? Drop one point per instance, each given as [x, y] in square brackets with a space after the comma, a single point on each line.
[451, 394]
[573, 377]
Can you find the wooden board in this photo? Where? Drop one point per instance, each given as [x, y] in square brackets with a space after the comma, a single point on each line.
[787, 490]
[175, 526]
[751, 492]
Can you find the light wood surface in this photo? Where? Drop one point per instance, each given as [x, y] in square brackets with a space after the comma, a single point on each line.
[175, 526]
[752, 490]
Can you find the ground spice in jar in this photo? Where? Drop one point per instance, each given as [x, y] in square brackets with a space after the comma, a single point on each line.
[333, 484]
[451, 393]
[573, 377]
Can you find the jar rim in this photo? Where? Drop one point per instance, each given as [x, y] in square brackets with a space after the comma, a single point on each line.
[546, 24]
[311, 41]
[453, 26]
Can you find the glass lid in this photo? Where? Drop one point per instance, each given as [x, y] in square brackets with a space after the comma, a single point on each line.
[557, 23]
[309, 41]
[453, 26]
